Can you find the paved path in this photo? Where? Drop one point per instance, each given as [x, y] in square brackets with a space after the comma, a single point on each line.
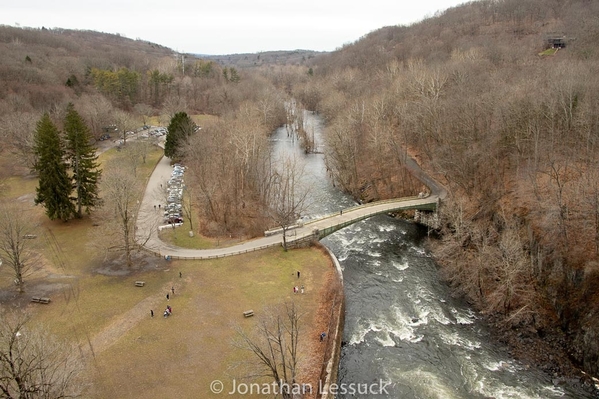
[150, 218]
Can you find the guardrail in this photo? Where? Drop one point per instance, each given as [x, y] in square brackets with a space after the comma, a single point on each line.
[164, 253]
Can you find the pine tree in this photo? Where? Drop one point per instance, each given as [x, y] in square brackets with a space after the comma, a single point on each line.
[54, 186]
[83, 159]
[179, 129]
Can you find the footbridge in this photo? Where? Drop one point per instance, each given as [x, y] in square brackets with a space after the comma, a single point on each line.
[329, 224]
[149, 218]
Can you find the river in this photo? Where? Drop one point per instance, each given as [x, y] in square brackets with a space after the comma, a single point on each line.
[405, 335]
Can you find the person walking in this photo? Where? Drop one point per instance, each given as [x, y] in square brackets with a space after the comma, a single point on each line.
[173, 290]
[180, 274]
[167, 297]
[151, 313]
[298, 274]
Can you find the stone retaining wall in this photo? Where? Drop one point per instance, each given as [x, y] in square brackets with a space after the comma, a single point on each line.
[330, 367]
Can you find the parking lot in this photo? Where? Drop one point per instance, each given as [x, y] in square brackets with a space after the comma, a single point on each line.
[154, 132]
[173, 210]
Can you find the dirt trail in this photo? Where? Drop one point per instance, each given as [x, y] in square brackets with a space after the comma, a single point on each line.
[127, 321]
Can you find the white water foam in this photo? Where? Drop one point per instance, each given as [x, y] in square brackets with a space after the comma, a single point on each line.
[434, 314]
[500, 365]
[498, 390]
[463, 316]
[455, 339]
[555, 392]
[429, 307]
[384, 330]
[420, 251]
[385, 340]
[427, 384]
[355, 228]
[374, 254]
[400, 266]
[386, 227]
[359, 334]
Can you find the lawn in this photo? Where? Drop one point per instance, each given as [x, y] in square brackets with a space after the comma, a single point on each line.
[96, 304]
[179, 356]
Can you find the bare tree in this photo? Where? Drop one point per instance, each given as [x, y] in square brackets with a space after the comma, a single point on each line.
[123, 192]
[125, 122]
[16, 231]
[34, 364]
[135, 154]
[97, 112]
[288, 196]
[342, 153]
[274, 344]
[187, 205]
[144, 111]
[17, 129]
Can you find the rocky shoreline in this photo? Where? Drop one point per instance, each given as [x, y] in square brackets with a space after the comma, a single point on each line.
[547, 352]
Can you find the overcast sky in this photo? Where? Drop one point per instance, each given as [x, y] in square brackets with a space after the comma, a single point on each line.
[225, 27]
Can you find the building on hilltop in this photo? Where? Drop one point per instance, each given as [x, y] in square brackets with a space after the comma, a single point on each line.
[556, 40]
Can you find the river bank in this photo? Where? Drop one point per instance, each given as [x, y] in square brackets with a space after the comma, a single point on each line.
[549, 353]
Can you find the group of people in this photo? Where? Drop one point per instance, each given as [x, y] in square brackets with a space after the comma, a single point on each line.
[168, 311]
[296, 289]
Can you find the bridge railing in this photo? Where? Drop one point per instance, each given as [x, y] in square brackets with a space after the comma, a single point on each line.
[362, 206]
[164, 253]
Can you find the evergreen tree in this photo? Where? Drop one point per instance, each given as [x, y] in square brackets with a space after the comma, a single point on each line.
[179, 130]
[83, 159]
[54, 186]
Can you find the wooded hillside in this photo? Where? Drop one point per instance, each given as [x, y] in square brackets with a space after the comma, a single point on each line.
[511, 128]
[118, 83]
[509, 125]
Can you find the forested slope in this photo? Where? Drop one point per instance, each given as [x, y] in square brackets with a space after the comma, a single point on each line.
[121, 83]
[512, 131]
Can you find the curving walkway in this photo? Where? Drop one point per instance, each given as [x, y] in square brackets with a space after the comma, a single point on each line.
[149, 218]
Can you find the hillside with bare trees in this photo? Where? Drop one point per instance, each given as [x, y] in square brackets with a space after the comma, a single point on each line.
[498, 100]
[118, 84]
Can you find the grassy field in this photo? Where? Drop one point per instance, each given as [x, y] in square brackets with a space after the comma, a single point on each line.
[131, 355]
